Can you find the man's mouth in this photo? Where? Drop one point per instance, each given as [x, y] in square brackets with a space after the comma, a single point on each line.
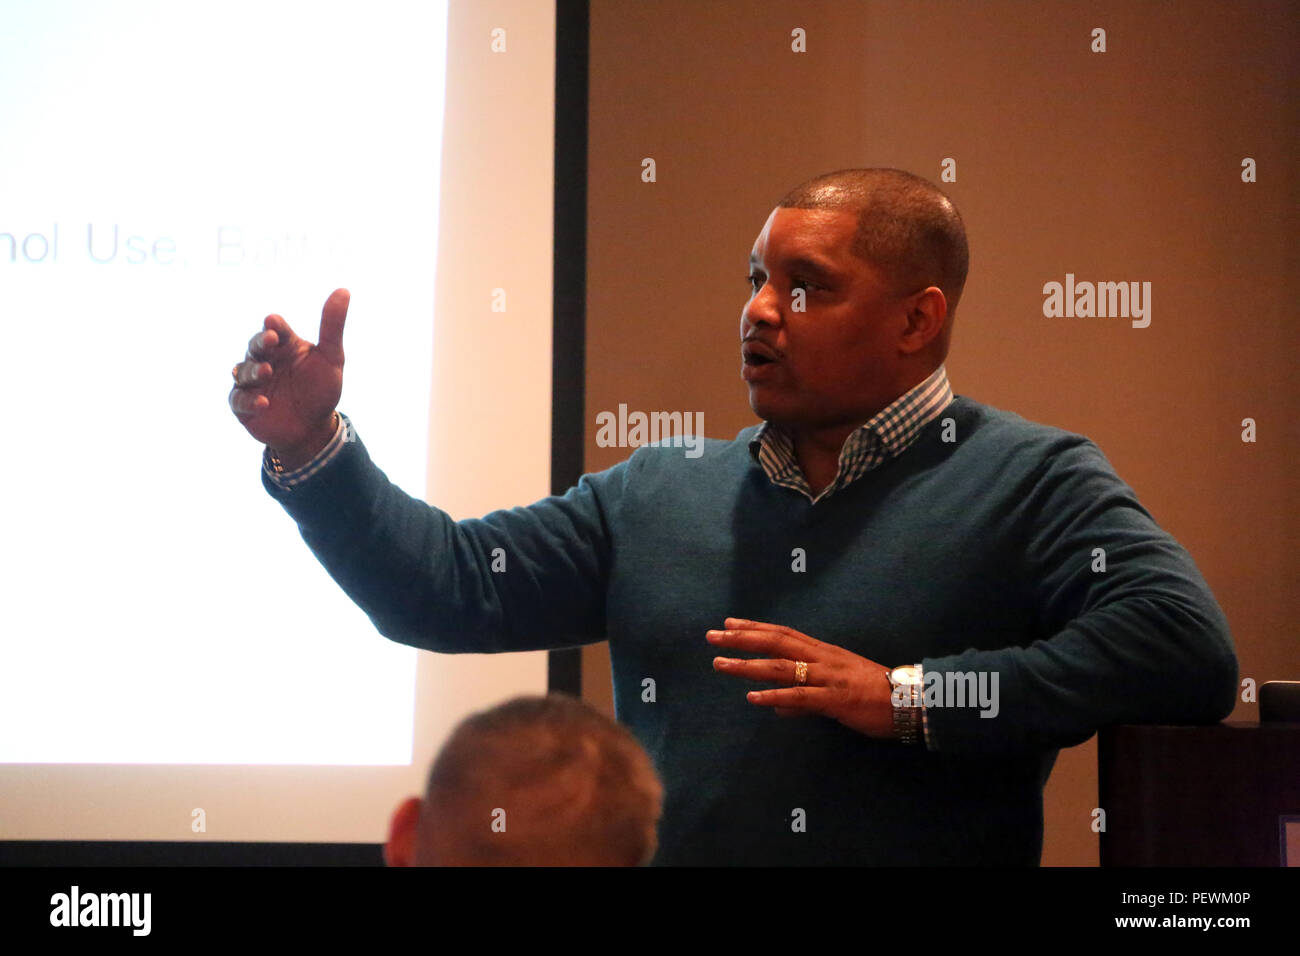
[758, 353]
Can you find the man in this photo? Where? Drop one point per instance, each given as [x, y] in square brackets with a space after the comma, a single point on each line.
[876, 542]
[536, 781]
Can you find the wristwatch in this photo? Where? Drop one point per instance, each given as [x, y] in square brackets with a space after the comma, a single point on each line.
[905, 694]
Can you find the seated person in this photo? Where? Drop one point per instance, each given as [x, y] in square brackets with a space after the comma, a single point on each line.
[536, 781]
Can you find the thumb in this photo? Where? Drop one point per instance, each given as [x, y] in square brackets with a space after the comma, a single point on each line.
[332, 318]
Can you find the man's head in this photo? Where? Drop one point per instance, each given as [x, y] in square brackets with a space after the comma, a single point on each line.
[881, 257]
[537, 781]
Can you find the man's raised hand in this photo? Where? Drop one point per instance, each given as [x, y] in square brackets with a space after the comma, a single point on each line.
[286, 388]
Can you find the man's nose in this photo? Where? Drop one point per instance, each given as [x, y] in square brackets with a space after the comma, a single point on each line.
[763, 307]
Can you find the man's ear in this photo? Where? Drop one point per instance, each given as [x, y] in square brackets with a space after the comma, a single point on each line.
[400, 848]
[926, 315]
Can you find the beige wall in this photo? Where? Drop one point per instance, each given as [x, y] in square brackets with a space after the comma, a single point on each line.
[1123, 165]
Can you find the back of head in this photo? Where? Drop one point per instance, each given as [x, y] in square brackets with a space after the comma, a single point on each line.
[907, 226]
[543, 781]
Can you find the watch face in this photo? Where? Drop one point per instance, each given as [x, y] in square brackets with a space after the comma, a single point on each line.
[906, 675]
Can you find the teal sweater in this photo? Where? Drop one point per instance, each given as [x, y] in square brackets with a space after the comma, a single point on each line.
[968, 555]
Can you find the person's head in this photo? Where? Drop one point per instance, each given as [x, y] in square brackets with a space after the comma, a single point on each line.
[536, 781]
[881, 257]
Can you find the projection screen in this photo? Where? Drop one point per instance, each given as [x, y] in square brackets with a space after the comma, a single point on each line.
[174, 663]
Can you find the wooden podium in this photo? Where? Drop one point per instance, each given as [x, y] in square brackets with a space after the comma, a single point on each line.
[1223, 795]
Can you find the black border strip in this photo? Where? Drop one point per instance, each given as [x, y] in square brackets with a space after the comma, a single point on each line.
[199, 853]
[569, 274]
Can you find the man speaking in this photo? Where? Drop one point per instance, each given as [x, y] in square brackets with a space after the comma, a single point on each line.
[937, 594]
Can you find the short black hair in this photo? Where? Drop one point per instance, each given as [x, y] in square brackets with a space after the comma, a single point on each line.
[906, 225]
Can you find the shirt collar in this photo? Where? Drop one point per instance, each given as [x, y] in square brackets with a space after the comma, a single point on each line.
[886, 435]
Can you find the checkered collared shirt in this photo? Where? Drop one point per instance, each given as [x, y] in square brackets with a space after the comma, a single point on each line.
[885, 436]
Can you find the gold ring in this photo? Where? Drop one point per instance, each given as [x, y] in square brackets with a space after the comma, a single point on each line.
[234, 372]
[800, 673]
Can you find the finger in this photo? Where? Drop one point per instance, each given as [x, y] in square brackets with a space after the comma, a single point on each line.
[803, 700]
[768, 643]
[772, 671]
[246, 404]
[250, 373]
[332, 317]
[264, 344]
[275, 336]
[740, 623]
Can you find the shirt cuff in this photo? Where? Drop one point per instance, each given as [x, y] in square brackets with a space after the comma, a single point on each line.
[291, 479]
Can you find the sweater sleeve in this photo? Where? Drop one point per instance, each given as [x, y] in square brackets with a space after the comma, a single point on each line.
[1141, 642]
[518, 579]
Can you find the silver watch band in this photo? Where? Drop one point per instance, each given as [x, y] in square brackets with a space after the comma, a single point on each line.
[905, 686]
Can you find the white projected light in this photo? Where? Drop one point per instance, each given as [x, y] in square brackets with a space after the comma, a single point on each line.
[170, 174]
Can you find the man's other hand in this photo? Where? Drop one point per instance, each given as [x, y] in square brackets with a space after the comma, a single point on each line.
[838, 683]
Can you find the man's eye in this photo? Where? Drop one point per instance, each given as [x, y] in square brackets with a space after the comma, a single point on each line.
[756, 281]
